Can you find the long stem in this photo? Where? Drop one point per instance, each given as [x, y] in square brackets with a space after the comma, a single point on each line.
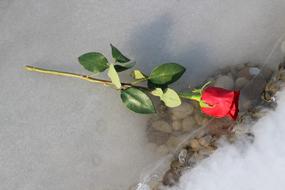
[79, 76]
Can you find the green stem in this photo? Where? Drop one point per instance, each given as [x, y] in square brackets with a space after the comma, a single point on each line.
[138, 81]
[79, 76]
[191, 96]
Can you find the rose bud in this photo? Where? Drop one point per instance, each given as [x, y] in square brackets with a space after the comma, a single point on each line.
[220, 102]
[214, 101]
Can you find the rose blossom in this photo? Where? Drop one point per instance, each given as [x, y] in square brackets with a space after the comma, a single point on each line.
[220, 102]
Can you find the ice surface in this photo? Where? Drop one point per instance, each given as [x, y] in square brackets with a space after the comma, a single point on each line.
[65, 134]
[260, 166]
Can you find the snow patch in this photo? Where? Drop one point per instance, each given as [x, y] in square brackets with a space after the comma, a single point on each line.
[257, 166]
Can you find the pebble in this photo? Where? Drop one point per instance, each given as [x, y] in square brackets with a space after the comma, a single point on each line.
[254, 88]
[173, 142]
[182, 111]
[205, 121]
[244, 103]
[206, 152]
[253, 71]
[157, 137]
[188, 124]
[272, 86]
[224, 81]
[191, 161]
[249, 71]
[162, 126]
[266, 73]
[205, 141]
[244, 73]
[240, 82]
[162, 149]
[194, 159]
[220, 126]
[176, 165]
[176, 125]
[170, 178]
[259, 113]
[195, 145]
[174, 118]
[198, 118]
[282, 76]
[182, 156]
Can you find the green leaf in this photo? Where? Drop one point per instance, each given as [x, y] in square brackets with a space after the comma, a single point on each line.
[123, 67]
[171, 98]
[118, 56]
[137, 101]
[157, 92]
[94, 62]
[166, 73]
[138, 75]
[112, 73]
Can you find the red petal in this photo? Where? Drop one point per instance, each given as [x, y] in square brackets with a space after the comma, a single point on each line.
[220, 99]
[234, 109]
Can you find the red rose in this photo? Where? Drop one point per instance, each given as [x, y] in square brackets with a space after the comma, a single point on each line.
[221, 102]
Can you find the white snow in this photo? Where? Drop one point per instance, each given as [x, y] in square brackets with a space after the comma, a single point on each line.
[258, 166]
[66, 134]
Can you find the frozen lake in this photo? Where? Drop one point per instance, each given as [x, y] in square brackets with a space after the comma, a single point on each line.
[65, 134]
